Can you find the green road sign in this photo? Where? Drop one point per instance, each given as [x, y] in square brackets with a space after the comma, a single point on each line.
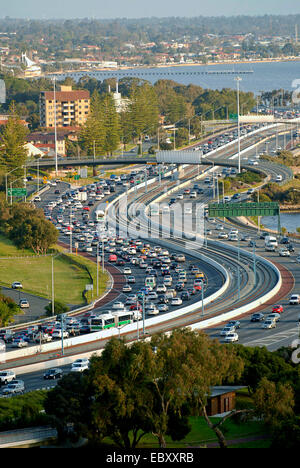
[233, 117]
[17, 192]
[77, 177]
[233, 210]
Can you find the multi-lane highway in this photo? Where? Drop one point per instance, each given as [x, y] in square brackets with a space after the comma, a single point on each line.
[243, 288]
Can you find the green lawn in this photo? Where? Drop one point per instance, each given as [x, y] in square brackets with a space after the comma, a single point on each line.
[35, 273]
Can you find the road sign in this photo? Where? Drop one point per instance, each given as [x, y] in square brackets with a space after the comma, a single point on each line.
[234, 210]
[17, 192]
[77, 177]
[83, 173]
[233, 117]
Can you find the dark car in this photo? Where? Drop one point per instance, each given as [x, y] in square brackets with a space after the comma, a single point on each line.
[185, 296]
[53, 374]
[285, 240]
[257, 317]
[290, 248]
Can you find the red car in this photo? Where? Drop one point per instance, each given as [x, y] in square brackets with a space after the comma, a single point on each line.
[278, 309]
[86, 208]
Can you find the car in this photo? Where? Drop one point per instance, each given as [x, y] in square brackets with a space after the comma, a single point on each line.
[227, 330]
[24, 304]
[57, 334]
[294, 299]
[14, 387]
[17, 285]
[163, 307]
[79, 366]
[285, 240]
[127, 288]
[19, 343]
[152, 309]
[277, 309]
[231, 338]
[269, 323]
[53, 374]
[284, 253]
[234, 323]
[7, 376]
[274, 316]
[257, 317]
[222, 235]
[127, 271]
[176, 301]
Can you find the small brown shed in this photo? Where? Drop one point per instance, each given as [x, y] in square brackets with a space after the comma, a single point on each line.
[221, 400]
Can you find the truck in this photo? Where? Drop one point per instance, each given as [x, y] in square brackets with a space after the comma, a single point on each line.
[82, 196]
[271, 241]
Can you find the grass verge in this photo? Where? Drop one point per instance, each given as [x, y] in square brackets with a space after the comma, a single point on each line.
[71, 273]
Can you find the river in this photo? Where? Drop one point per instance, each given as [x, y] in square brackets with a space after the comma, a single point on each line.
[266, 76]
[291, 221]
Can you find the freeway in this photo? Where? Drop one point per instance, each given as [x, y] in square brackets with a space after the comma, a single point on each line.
[250, 333]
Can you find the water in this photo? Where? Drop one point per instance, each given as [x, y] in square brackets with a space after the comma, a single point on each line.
[265, 77]
[291, 221]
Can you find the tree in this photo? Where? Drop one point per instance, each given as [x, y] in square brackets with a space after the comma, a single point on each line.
[13, 153]
[8, 308]
[274, 402]
[59, 308]
[111, 124]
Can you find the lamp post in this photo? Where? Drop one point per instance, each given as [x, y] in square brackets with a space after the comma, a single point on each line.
[55, 126]
[238, 79]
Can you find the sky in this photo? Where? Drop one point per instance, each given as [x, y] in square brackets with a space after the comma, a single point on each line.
[45, 9]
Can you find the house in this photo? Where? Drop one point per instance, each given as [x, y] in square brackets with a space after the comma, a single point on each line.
[221, 400]
[45, 141]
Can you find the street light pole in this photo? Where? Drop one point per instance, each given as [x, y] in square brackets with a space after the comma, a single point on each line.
[52, 279]
[238, 79]
[55, 128]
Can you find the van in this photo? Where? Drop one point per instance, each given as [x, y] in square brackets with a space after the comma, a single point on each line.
[233, 237]
[271, 240]
[150, 281]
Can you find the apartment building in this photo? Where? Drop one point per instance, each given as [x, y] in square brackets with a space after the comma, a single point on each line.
[72, 107]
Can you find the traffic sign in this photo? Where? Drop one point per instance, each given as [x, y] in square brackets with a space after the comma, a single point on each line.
[233, 117]
[17, 192]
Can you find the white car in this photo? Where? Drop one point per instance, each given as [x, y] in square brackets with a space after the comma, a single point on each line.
[222, 235]
[127, 271]
[176, 301]
[227, 331]
[57, 334]
[79, 366]
[118, 305]
[294, 299]
[127, 288]
[232, 338]
[284, 253]
[7, 376]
